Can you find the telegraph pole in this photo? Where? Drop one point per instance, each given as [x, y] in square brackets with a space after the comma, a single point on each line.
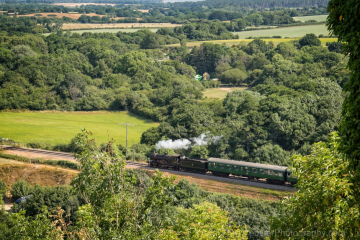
[126, 141]
[133, 152]
[127, 124]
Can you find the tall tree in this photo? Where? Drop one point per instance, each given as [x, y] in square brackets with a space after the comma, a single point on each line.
[344, 22]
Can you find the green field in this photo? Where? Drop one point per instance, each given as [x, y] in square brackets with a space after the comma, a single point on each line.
[231, 42]
[60, 127]
[318, 18]
[220, 93]
[291, 32]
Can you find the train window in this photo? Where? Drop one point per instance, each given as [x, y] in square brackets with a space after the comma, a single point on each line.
[214, 164]
[254, 170]
[242, 169]
[271, 172]
[229, 167]
[246, 169]
[222, 166]
[236, 168]
[262, 171]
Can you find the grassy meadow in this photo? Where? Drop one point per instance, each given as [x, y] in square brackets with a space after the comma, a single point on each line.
[318, 18]
[221, 92]
[60, 127]
[291, 32]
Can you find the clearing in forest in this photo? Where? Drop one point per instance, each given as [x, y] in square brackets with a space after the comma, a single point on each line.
[54, 127]
[221, 92]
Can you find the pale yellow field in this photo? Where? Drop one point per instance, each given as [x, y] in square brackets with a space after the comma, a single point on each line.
[142, 10]
[69, 26]
[238, 41]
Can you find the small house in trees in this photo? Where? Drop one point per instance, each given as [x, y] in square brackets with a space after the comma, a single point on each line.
[206, 76]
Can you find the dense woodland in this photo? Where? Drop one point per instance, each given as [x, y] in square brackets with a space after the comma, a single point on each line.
[294, 101]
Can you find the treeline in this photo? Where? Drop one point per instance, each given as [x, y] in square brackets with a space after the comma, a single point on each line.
[83, 1]
[253, 3]
[173, 14]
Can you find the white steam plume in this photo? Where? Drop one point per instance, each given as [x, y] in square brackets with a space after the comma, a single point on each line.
[186, 143]
[176, 144]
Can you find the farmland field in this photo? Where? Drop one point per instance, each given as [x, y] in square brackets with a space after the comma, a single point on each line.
[70, 26]
[55, 127]
[238, 41]
[291, 32]
[319, 18]
[221, 92]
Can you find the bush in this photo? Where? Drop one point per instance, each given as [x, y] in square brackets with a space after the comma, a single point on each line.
[39, 145]
[2, 188]
[20, 189]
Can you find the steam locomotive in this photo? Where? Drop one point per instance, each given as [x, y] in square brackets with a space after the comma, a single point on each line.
[224, 167]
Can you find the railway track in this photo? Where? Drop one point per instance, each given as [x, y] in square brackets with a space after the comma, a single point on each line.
[39, 151]
[233, 179]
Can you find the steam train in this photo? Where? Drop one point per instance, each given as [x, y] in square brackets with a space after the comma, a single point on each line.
[224, 167]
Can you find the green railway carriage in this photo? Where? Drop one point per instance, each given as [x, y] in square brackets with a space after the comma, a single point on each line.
[290, 177]
[224, 167]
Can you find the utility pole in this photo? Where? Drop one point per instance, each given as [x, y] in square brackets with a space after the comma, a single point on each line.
[126, 141]
[127, 124]
[133, 152]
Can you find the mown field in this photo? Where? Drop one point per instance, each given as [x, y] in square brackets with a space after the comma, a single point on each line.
[238, 41]
[61, 127]
[291, 32]
[220, 92]
[319, 18]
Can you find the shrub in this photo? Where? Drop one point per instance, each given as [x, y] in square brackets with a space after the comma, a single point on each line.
[2, 188]
[39, 145]
[20, 189]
